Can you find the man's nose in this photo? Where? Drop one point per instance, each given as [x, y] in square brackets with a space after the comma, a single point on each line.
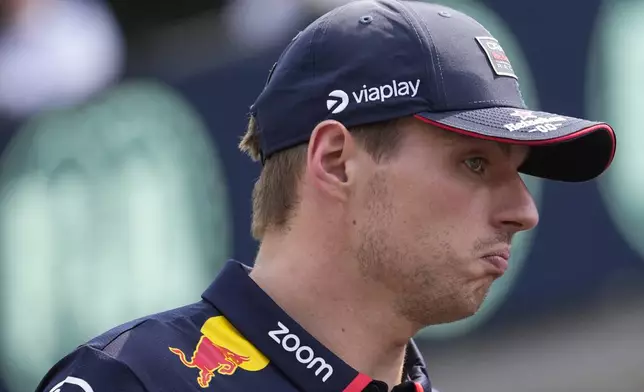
[516, 210]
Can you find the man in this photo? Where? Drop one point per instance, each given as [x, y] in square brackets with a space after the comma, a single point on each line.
[392, 136]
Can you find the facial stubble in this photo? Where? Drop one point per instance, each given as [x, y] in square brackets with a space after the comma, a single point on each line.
[425, 290]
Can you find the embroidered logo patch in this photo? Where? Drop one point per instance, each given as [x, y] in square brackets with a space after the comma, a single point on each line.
[496, 56]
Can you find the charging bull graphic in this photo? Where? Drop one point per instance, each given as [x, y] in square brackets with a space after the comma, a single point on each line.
[221, 350]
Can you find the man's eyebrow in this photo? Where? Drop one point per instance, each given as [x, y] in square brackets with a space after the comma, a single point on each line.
[455, 139]
[506, 148]
[452, 139]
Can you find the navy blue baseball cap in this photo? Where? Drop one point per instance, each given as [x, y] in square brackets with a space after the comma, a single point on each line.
[376, 60]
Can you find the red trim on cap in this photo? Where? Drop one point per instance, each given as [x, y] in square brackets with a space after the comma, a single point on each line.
[419, 388]
[359, 383]
[559, 139]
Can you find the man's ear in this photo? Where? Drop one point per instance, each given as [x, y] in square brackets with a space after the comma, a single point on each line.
[331, 146]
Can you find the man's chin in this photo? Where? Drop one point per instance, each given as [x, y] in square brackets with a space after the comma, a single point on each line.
[449, 307]
[457, 312]
[467, 307]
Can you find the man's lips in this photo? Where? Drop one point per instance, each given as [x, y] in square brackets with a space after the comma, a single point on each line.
[498, 259]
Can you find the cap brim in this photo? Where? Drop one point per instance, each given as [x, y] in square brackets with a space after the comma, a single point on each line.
[562, 148]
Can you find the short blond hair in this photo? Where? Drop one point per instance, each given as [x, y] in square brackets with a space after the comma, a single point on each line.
[275, 193]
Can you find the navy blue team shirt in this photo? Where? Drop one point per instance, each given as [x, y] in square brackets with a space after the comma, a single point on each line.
[235, 339]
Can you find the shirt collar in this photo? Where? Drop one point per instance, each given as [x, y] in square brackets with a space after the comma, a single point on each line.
[304, 360]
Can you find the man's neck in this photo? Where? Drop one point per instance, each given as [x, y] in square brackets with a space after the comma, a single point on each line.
[343, 311]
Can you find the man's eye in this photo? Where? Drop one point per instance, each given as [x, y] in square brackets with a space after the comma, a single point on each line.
[477, 165]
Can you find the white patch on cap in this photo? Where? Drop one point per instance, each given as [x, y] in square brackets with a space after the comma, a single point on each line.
[496, 56]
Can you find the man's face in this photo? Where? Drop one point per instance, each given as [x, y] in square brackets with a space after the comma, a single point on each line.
[432, 221]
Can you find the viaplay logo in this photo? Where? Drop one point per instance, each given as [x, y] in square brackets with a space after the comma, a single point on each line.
[82, 384]
[338, 100]
[222, 350]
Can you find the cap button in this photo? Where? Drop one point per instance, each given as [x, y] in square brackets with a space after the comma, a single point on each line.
[445, 14]
[366, 19]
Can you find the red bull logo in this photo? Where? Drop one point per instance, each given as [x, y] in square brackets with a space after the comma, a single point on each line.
[210, 358]
[221, 350]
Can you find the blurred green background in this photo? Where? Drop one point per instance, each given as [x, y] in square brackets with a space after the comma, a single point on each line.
[122, 192]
